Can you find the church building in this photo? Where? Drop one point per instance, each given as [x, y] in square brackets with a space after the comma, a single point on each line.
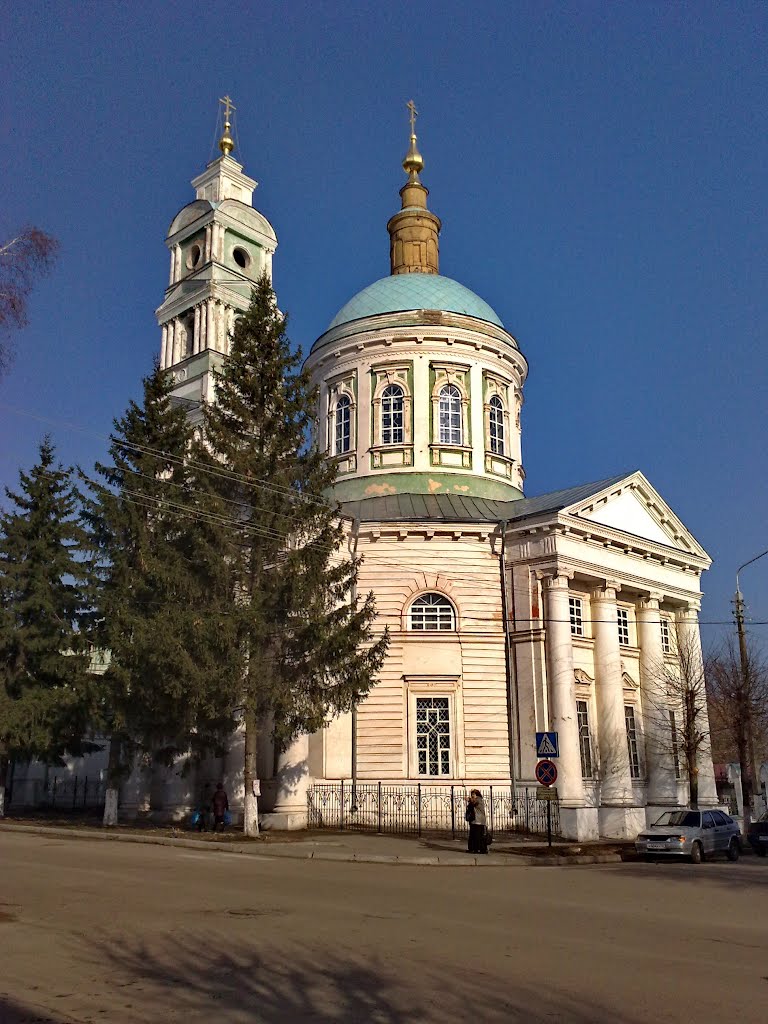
[508, 614]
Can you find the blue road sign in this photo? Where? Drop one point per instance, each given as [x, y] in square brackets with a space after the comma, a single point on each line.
[547, 745]
[546, 773]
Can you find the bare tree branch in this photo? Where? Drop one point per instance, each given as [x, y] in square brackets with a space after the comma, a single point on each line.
[23, 260]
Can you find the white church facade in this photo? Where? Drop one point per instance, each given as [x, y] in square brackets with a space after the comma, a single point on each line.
[507, 614]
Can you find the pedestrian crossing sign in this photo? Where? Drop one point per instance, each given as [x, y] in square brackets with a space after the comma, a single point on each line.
[546, 744]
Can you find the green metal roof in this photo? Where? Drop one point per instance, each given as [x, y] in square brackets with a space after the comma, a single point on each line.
[401, 292]
[457, 508]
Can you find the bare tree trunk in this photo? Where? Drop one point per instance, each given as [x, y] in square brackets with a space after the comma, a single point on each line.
[114, 774]
[693, 784]
[250, 800]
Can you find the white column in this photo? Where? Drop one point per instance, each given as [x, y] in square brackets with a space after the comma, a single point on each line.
[135, 789]
[176, 263]
[208, 242]
[616, 783]
[233, 769]
[292, 781]
[561, 688]
[164, 348]
[662, 782]
[196, 347]
[268, 262]
[689, 639]
[210, 333]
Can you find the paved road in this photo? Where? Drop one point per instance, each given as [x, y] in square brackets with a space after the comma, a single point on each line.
[94, 931]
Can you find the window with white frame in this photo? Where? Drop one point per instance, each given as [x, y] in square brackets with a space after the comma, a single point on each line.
[633, 749]
[432, 612]
[450, 415]
[343, 425]
[675, 744]
[623, 623]
[585, 740]
[433, 735]
[392, 415]
[496, 425]
[666, 637]
[576, 612]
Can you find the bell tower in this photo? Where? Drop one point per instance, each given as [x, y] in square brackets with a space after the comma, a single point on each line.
[220, 246]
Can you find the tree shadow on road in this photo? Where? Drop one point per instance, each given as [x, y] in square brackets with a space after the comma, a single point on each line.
[12, 1012]
[232, 980]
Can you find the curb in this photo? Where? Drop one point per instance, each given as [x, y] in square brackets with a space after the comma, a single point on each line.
[242, 850]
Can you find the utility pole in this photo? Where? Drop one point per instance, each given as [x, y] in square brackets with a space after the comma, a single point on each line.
[751, 794]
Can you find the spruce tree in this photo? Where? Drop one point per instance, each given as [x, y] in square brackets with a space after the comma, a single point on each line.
[163, 691]
[305, 645]
[43, 653]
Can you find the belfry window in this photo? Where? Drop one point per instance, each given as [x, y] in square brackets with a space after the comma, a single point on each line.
[496, 425]
[392, 415]
[432, 612]
[450, 415]
[342, 425]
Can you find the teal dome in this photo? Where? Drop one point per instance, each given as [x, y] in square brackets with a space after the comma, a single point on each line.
[402, 292]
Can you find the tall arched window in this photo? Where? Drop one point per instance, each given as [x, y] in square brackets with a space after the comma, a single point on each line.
[450, 415]
[392, 415]
[432, 612]
[496, 425]
[342, 425]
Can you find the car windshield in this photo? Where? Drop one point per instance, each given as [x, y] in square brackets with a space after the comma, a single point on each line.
[690, 818]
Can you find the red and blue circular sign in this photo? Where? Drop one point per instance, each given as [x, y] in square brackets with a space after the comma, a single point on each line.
[546, 773]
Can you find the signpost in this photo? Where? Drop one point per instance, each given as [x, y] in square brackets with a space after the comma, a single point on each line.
[546, 776]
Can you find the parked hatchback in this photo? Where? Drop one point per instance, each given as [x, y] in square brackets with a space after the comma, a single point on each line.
[689, 833]
[757, 834]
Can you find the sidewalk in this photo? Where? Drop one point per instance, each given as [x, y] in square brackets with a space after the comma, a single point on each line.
[359, 847]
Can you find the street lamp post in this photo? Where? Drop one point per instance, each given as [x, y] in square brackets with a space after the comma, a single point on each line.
[738, 603]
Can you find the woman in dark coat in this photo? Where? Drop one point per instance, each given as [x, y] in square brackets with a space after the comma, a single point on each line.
[475, 815]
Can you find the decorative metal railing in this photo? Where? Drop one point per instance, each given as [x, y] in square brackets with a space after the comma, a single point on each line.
[418, 808]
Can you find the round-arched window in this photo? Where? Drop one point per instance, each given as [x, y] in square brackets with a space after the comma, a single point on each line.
[450, 415]
[241, 258]
[496, 425]
[193, 257]
[342, 424]
[392, 414]
[432, 612]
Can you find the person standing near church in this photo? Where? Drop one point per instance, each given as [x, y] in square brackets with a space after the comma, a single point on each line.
[476, 817]
[220, 807]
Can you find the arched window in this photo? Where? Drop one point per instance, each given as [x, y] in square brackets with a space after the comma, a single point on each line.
[496, 425]
[450, 415]
[432, 612]
[342, 424]
[392, 415]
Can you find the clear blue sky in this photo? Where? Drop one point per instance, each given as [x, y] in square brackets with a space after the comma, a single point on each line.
[600, 169]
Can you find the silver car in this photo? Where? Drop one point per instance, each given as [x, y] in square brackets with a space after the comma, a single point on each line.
[694, 834]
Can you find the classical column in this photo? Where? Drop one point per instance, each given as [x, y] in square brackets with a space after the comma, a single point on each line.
[292, 780]
[616, 783]
[662, 782]
[561, 688]
[177, 262]
[689, 640]
[207, 244]
[210, 332]
[164, 348]
[135, 789]
[268, 263]
[196, 345]
[233, 767]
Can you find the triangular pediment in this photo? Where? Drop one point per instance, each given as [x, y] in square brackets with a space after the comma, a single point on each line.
[633, 506]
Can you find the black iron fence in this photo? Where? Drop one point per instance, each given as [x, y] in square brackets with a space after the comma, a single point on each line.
[417, 808]
[74, 794]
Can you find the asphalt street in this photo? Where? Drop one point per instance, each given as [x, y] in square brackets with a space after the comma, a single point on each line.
[95, 931]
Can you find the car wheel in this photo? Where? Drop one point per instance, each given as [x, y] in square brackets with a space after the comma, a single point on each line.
[697, 856]
[733, 850]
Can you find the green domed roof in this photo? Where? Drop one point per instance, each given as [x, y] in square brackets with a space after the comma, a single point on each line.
[401, 292]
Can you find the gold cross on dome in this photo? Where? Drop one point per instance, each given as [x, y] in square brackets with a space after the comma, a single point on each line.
[228, 107]
[414, 114]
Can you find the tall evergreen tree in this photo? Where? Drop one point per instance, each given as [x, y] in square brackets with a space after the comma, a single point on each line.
[43, 653]
[163, 690]
[305, 643]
